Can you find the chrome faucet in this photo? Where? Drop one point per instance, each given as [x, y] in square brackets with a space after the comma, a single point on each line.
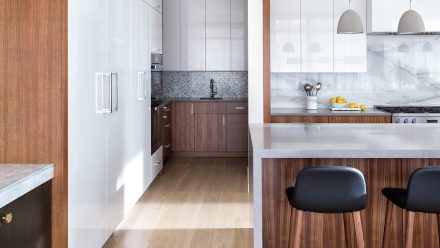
[213, 88]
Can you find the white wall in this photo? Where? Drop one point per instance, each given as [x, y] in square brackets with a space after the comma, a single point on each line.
[255, 60]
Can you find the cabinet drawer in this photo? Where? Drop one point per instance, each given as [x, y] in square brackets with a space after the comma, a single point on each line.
[237, 120]
[236, 107]
[210, 107]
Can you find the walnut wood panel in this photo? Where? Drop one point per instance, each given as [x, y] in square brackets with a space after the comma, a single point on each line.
[359, 119]
[237, 132]
[209, 107]
[210, 133]
[266, 62]
[33, 102]
[210, 154]
[299, 119]
[166, 130]
[183, 127]
[327, 230]
[237, 107]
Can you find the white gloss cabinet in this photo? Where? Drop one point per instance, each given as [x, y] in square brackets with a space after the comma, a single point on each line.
[317, 36]
[155, 31]
[384, 16]
[350, 50]
[218, 35]
[285, 36]
[192, 35]
[171, 36]
[109, 153]
[239, 35]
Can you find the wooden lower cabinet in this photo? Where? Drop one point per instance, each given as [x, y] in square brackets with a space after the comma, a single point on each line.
[183, 127]
[166, 130]
[210, 135]
[237, 132]
[31, 220]
[327, 230]
[331, 119]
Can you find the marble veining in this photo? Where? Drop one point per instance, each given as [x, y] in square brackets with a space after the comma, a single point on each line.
[18, 179]
[196, 84]
[401, 70]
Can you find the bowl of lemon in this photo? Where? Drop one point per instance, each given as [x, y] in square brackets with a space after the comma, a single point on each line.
[338, 102]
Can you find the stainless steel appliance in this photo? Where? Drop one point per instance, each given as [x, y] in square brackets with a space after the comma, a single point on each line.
[413, 114]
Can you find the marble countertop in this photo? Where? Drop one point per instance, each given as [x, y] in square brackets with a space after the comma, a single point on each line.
[18, 179]
[325, 112]
[345, 140]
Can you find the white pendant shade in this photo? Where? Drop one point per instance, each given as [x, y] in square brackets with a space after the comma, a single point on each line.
[288, 47]
[350, 23]
[411, 23]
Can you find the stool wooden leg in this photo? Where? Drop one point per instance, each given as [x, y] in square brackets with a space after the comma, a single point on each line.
[297, 228]
[290, 227]
[388, 218]
[358, 229]
[409, 229]
[438, 228]
[347, 229]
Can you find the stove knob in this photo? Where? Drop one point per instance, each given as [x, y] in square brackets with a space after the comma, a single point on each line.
[414, 120]
[406, 120]
[398, 120]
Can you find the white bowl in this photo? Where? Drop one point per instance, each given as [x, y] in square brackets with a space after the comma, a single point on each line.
[339, 105]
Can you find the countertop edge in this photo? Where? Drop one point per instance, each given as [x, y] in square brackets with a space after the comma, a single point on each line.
[25, 185]
[324, 112]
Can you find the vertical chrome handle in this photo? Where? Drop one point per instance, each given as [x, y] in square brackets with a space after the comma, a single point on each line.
[114, 103]
[224, 121]
[103, 93]
[141, 86]
[192, 108]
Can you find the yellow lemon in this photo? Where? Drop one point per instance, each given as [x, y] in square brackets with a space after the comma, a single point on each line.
[363, 107]
[339, 98]
[353, 105]
[332, 100]
[340, 101]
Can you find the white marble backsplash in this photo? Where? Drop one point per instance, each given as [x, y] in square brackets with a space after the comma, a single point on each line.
[401, 70]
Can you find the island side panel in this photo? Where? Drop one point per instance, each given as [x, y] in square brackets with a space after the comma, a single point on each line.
[328, 230]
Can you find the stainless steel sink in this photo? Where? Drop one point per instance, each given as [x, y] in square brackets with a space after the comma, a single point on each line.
[211, 98]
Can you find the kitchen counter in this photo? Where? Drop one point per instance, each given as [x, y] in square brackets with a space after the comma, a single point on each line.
[325, 112]
[197, 99]
[385, 153]
[18, 179]
[346, 140]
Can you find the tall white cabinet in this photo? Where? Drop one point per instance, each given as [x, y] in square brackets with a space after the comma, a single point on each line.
[109, 115]
[304, 38]
[205, 35]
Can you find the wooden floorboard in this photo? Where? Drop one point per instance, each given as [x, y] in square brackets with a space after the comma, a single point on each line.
[195, 202]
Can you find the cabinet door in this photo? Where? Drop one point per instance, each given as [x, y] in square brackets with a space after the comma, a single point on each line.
[183, 126]
[428, 9]
[350, 50]
[210, 133]
[218, 35]
[118, 55]
[156, 4]
[384, 16]
[86, 128]
[192, 35]
[237, 132]
[239, 35]
[317, 36]
[285, 35]
[155, 31]
[171, 35]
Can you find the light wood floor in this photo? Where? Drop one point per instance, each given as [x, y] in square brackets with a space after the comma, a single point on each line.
[196, 202]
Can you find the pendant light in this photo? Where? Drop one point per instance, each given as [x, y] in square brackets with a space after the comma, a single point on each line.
[411, 22]
[350, 22]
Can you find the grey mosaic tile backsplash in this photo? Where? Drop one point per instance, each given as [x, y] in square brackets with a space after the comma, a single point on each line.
[196, 84]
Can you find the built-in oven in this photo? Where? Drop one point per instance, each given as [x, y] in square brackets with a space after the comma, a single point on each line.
[156, 95]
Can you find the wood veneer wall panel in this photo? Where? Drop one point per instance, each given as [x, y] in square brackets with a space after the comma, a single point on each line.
[33, 104]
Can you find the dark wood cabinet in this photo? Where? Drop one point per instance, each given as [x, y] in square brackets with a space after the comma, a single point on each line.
[210, 133]
[31, 220]
[237, 132]
[183, 127]
[166, 130]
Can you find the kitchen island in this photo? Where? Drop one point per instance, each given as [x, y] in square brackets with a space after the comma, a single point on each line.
[385, 153]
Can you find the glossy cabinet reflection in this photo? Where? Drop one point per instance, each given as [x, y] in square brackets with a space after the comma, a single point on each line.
[171, 36]
[218, 35]
[285, 36]
[192, 35]
[239, 35]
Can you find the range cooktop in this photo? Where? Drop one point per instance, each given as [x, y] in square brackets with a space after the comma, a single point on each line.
[410, 109]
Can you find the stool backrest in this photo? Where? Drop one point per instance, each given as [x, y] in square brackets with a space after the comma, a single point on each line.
[330, 189]
[424, 190]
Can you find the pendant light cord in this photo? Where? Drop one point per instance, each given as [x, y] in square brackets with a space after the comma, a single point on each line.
[410, 4]
[349, 4]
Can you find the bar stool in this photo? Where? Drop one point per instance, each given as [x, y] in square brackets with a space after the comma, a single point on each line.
[328, 189]
[421, 195]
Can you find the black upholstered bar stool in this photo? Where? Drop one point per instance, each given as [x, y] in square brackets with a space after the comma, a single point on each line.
[329, 189]
[421, 195]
